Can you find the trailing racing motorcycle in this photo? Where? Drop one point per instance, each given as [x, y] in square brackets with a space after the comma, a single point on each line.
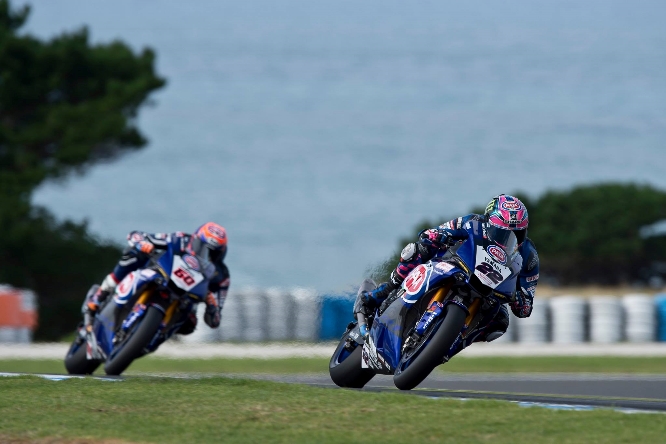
[434, 314]
[146, 309]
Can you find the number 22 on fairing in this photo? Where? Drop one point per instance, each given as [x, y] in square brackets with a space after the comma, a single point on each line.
[184, 276]
[488, 270]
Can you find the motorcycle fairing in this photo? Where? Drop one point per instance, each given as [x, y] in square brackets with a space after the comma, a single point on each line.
[187, 277]
[387, 330]
[186, 271]
[385, 338]
[469, 251]
[371, 358]
[508, 287]
[134, 281]
[104, 328]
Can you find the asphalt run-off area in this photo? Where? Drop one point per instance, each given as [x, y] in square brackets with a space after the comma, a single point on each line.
[624, 392]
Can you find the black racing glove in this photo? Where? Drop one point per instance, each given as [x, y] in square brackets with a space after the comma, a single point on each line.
[522, 303]
[436, 236]
[212, 316]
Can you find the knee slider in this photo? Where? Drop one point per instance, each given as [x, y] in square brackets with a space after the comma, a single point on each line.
[494, 335]
[502, 320]
[187, 328]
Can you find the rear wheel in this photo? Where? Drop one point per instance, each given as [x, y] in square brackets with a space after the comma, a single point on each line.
[136, 343]
[414, 367]
[345, 366]
[75, 359]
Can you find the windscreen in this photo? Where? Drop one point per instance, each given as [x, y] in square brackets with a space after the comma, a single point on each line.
[202, 253]
[503, 238]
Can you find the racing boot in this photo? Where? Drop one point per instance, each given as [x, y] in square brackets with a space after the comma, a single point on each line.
[369, 300]
[92, 305]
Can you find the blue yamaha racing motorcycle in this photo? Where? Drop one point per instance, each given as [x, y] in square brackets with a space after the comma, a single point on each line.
[441, 307]
[146, 309]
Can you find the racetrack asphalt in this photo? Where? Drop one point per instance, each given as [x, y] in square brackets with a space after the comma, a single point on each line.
[646, 393]
[639, 392]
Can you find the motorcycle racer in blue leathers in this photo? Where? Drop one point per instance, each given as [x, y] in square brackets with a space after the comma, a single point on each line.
[504, 212]
[210, 239]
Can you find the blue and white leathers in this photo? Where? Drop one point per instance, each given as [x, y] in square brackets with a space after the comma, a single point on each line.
[476, 266]
[176, 273]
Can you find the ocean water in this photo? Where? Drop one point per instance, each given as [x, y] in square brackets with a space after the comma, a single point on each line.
[320, 132]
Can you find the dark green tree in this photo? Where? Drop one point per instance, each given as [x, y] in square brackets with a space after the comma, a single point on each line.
[594, 234]
[64, 105]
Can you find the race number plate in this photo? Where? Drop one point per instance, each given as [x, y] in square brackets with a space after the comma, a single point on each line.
[489, 271]
[183, 276]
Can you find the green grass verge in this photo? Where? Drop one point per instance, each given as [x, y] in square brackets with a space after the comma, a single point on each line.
[216, 410]
[320, 365]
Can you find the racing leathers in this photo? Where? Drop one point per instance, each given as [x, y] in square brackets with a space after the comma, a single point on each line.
[433, 240]
[141, 247]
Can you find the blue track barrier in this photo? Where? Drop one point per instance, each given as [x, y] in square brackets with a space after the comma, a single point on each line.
[660, 303]
[336, 313]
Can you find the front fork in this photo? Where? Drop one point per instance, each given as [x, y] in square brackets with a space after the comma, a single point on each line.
[435, 309]
[140, 307]
[473, 309]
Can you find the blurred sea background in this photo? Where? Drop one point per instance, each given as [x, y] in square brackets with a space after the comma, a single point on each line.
[319, 132]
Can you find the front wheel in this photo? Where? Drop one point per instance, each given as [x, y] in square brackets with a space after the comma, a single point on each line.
[75, 359]
[433, 353]
[345, 366]
[139, 339]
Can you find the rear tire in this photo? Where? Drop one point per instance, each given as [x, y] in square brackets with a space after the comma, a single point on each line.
[76, 362]
[134, 346]
[348, 372]
[434, 352]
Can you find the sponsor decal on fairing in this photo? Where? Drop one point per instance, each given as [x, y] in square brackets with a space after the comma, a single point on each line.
[497, 253]
[488, 270]
[126, 285]
[444, 267]
[191, 261]
[184, 277]
[415, 280]
[371, 359]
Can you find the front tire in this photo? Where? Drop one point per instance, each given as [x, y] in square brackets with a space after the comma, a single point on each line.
[434, 352]
[141, 337]
[75, 359]
[345, 368]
